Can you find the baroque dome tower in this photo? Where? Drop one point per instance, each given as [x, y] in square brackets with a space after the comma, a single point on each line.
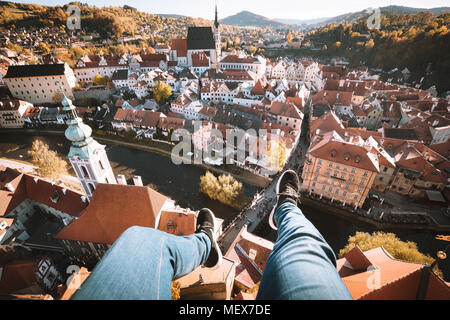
[87, 157]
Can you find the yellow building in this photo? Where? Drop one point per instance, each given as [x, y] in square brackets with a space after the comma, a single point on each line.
[340, 168]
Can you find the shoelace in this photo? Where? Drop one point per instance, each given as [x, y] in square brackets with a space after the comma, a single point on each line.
[289, 192]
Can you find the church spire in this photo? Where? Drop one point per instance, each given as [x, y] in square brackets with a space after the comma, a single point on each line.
[216, 21]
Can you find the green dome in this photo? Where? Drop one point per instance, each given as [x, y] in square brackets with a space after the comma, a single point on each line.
[78, 132]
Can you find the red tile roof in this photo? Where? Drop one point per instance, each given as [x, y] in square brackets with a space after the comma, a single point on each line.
[391, 280]
[285, 110]
[200, 60]
[112, 210]
[17, 276]
[249, 269]
[178, 222]
[38, 190]
[333, 97]
[180, 45]
[235, 59]
[345, 153]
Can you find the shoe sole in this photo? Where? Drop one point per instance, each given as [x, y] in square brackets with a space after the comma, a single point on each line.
[215, 245]
[277, 191]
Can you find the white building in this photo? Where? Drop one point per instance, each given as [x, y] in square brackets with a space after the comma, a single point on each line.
[40, 83]
[105, 65]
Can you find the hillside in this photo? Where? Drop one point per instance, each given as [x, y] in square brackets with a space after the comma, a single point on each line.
[107, 21]
[415, 41]
[387, 11]
[246, 18]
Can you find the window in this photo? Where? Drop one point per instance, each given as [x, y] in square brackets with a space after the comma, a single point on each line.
[362, 181]
[365, 173]
[85, 173]
[331, 165]
[344, 193]
[330, 189]
[353, 170]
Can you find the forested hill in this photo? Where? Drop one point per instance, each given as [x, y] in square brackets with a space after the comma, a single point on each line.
[107, 21]
[420, 42]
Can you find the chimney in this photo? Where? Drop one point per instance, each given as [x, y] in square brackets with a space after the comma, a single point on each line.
[10, 187]
[121, 180]
[137, 181]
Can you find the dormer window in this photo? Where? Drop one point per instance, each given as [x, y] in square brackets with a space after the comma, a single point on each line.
[358, 159]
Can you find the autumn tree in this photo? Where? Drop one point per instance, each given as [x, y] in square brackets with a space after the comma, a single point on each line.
[162, 92]
[277, 154]
[99, 79]
[57, 97]
[44, 48]
[401, 250]
[225, 188]
[47, 161]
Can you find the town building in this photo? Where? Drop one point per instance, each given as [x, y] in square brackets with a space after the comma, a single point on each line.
[12, 113]
[40, 83]
[340, 168]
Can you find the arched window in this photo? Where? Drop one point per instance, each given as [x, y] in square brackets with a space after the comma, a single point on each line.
[85, 172]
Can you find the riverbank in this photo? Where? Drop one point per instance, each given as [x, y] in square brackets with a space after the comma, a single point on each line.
[314, 204]
[160, 148]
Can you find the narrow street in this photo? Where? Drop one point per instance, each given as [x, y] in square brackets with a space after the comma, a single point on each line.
[264, 201]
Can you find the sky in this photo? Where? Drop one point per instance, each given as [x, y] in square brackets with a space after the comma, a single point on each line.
[287, 9]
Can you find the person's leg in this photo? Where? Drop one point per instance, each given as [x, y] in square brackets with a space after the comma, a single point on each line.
[142, 264]
[302, 265]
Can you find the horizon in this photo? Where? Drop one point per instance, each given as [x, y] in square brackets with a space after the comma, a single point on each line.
[205, 8]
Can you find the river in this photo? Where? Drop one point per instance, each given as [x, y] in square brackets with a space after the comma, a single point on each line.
[181, 183]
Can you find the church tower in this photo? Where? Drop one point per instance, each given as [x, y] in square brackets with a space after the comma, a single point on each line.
[217, 40]
[87, 156]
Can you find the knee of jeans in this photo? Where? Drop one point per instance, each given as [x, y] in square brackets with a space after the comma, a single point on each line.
[131, 232]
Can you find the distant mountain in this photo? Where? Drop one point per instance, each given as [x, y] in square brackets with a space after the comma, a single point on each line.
[168, 15]
[300, 22]
[356, 16]
[246, 18]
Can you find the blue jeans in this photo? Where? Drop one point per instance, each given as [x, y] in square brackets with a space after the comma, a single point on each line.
[142, 263]
[302, 266]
